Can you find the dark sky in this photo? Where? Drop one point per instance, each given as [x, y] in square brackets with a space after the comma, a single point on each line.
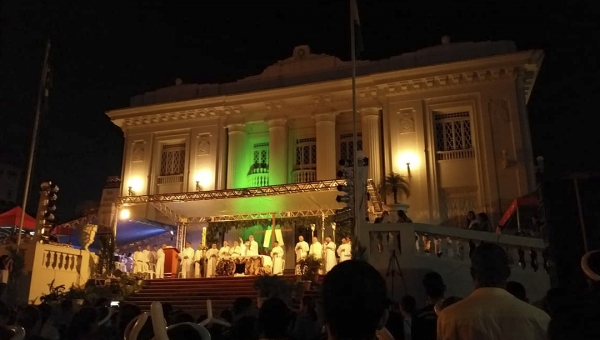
[107, 51]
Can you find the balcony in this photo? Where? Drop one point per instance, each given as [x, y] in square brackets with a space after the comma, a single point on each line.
[258, 175]
[419, 248]
[304, 175]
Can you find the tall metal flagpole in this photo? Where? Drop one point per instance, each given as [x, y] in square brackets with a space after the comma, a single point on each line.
[354, 114]
[42, 96]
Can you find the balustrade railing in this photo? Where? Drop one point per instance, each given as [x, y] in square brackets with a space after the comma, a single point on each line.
[160, 180]
[258, 180]
[303, 176]
[61, 261]
[454, 244]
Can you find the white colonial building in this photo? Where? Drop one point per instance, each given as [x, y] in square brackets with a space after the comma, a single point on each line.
[452, 118]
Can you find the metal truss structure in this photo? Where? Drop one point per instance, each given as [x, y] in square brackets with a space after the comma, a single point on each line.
[90, 219]
[374, 196]
[288, 214]
[282, 189]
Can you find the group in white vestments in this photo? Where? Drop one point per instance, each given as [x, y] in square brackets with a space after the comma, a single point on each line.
[199, 258]
[277, 256]
[139, 261]
[160, 262]
[301, 252]
[211, 263]
[236, 250]
[224, 251]
[329, 254]
[252, 247]
[187, 261]
[344, 251]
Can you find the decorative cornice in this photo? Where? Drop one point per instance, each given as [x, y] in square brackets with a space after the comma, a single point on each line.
[279, 122]
[325, 117]
[371, 90]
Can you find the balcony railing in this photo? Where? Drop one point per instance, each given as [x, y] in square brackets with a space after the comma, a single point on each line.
[173, 179]
[303, 176]
[455, 154]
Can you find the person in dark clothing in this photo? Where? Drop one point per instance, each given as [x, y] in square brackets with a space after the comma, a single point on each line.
[395, 322]
[424, 324]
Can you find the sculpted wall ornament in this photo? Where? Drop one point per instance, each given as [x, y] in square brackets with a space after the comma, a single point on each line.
[138, 151]
[499, 110]
[203, 144]
[407, 120]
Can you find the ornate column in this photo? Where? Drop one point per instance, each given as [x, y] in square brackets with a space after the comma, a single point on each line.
[326, 162]
[236, 156]
[371, 141]
[278, 150]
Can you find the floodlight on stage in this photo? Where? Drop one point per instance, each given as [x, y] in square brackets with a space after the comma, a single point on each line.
[125, 214]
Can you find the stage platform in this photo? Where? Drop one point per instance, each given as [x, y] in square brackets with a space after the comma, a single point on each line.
[191, 294]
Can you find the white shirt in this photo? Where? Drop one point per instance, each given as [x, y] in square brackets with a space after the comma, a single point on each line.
[492, 313]
[253, 251]
[160, 254]
[224, 251]
[316, 249]
[189, 253]
[344, 251]
[301, 250]
[139, 256]
[146, 254]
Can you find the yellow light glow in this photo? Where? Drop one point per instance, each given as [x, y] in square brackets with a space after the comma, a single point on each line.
[204, 178]
[410, 158]
[136, 185]
[125, 214]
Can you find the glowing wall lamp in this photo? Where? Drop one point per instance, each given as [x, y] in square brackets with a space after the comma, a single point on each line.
[134, 185]
[410, 160]
[125, 214]
[202, 179]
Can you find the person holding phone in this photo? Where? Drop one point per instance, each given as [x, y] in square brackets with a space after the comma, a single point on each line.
[6, 266]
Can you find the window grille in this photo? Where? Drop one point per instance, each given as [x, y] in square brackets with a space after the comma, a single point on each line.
[172, 161]
[306, 152]
[347, 145]
[261, 153]
[453, 136]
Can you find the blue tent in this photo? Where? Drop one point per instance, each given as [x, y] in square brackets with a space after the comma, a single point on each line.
[127, 232]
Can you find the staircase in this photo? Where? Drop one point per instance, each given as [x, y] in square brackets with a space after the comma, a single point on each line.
[190, 295]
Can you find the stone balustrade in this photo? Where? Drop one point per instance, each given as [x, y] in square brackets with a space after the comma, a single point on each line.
[419, 248]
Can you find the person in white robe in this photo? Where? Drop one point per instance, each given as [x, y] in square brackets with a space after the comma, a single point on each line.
[244, 246]
[344, 251]
[160, 262]
[146, 252]
[211, 263]
[129, 263]
[199, 261]
[316, 248]
[277, 256]
[330, 260]
[253, 247]
[139, 260]
[187, 261]
[224, 251]
[236, 250]
[301, 251]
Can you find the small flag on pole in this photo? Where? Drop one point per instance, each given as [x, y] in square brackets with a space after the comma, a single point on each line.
[358, 41]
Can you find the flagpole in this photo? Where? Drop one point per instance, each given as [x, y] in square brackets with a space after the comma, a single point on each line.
[354, 114]
[42, 96]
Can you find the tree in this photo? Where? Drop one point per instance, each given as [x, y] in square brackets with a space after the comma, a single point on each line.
[396, 184]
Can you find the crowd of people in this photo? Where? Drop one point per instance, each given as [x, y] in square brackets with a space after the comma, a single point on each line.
[352, 304]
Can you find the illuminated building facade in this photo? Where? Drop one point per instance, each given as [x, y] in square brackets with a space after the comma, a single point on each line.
[452, 118]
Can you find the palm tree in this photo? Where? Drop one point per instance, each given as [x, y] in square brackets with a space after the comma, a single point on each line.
[397, 184]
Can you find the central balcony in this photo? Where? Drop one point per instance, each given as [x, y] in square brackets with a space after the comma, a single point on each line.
[304, 175]
[258, 175]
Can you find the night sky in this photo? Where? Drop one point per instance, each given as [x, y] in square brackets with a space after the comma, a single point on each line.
[107, 51]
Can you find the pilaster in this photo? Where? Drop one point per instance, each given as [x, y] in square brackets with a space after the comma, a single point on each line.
[371, 140]
[326, 162]
[236, 156]
[278, 150]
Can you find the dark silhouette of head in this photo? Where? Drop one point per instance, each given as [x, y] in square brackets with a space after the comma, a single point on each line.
[517, 290]
[273, 319]
[354, 301]
[489, 266]
[434, 286]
